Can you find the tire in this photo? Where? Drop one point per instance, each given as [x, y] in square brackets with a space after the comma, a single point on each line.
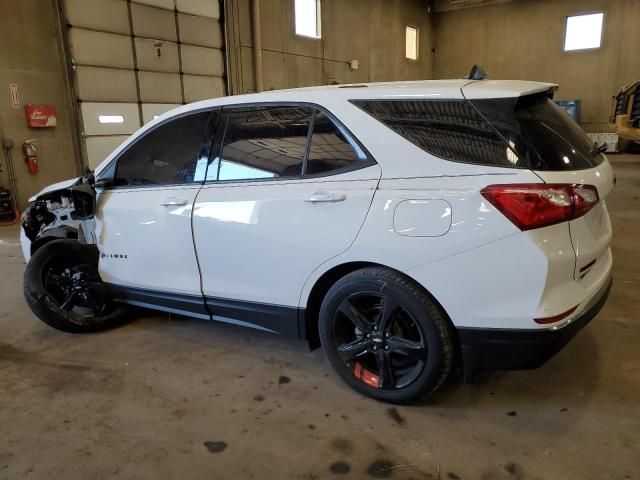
[75, 257]
[415, 320]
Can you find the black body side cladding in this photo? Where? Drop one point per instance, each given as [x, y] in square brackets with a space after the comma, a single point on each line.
[507, 349]
[273, 318]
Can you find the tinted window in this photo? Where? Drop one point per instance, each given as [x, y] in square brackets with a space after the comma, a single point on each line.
[541, 133]
[166, 155]
[264, 142]
[329, 149]
[450, 129]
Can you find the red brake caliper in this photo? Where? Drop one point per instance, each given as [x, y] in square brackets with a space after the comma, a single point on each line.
[366, 376]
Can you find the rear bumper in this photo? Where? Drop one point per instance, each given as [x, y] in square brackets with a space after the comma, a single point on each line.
[510, 349]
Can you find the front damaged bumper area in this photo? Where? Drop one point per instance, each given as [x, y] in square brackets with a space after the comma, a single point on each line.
[511, 349]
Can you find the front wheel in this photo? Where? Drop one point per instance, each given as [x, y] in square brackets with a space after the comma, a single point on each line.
[63, 288]
[385, 336]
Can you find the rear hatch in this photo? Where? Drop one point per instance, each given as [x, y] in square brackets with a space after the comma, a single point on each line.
[547, 141]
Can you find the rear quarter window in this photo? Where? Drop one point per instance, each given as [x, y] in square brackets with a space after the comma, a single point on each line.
[449, 129]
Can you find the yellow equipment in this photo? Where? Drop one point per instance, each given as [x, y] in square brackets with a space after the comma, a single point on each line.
[626, 114]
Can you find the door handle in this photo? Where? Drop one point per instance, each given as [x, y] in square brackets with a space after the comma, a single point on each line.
[174, 202]
[320, 197]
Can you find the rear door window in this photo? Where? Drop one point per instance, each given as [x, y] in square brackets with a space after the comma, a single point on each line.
[264, 142]
[330, 149]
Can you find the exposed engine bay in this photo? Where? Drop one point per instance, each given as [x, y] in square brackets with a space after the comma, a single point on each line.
[65, 213]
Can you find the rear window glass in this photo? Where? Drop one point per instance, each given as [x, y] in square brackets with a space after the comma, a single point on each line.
[450, 129]
[526, 132]
[541, 133]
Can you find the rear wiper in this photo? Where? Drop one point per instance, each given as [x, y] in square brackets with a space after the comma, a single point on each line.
[597, 150]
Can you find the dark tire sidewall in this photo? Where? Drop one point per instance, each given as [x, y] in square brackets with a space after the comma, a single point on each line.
[41, 303]
[430, 376]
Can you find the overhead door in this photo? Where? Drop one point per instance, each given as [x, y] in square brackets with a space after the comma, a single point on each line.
[133, 61]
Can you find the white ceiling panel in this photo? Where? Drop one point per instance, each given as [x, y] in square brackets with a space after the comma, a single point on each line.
[197, 87]
[106, 84]
[202, 61]
[100, 49]
[205, 8]
[152, 110]
[153, 22]
[108, 15]
[160, 87]
[110, 118]
[148, 59]
[168, 4]
[99, 148]
[203, 31]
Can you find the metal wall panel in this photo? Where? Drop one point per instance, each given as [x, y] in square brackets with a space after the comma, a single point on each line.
[153, 22]
[148, 59]
[160, 87]
[167, 4]
[107, 15]
[202, 61]
[178, 58]
[105, 84]
[99, 148]
[92, 112]
[100, 49]
[152, 110]
[203, 31]
[197, 87]
[204, 8]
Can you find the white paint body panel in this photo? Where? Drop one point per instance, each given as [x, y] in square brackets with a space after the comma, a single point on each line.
[278, 237]
[155, 239]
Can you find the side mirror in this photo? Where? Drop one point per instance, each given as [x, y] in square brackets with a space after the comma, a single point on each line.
[103, 183]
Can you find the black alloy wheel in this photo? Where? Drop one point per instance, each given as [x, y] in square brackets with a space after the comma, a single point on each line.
[62, 286]
[379, 340]
[385, 336]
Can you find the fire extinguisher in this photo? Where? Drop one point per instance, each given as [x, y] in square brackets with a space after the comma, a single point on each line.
[31, 155]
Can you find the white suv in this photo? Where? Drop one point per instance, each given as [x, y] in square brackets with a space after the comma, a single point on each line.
[406, 227]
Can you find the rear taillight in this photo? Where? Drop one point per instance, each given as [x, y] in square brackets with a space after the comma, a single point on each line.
[535, 205]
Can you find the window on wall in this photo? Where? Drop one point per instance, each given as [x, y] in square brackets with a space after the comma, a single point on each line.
[307, 13]
[583, 32]
[411, 39]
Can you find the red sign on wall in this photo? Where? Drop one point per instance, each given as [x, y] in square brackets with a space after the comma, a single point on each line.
[40, 116]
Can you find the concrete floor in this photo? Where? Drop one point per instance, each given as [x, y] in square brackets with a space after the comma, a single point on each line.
[178, 398]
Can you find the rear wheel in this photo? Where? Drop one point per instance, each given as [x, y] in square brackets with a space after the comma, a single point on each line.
[63, 288]
[385, 337]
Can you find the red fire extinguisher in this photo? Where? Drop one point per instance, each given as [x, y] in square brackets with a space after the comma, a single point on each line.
[31, 156]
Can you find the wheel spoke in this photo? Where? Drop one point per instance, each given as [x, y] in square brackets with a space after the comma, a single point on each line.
[69, 302]
[354, 315]
[352, 349]
[406, 347]
[385, 371]
[389, 307]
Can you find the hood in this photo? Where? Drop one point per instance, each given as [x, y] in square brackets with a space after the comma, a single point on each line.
[55, 186]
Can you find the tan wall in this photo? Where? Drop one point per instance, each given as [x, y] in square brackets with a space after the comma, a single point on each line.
[29, 57]
[371, 31]
[524, 39]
